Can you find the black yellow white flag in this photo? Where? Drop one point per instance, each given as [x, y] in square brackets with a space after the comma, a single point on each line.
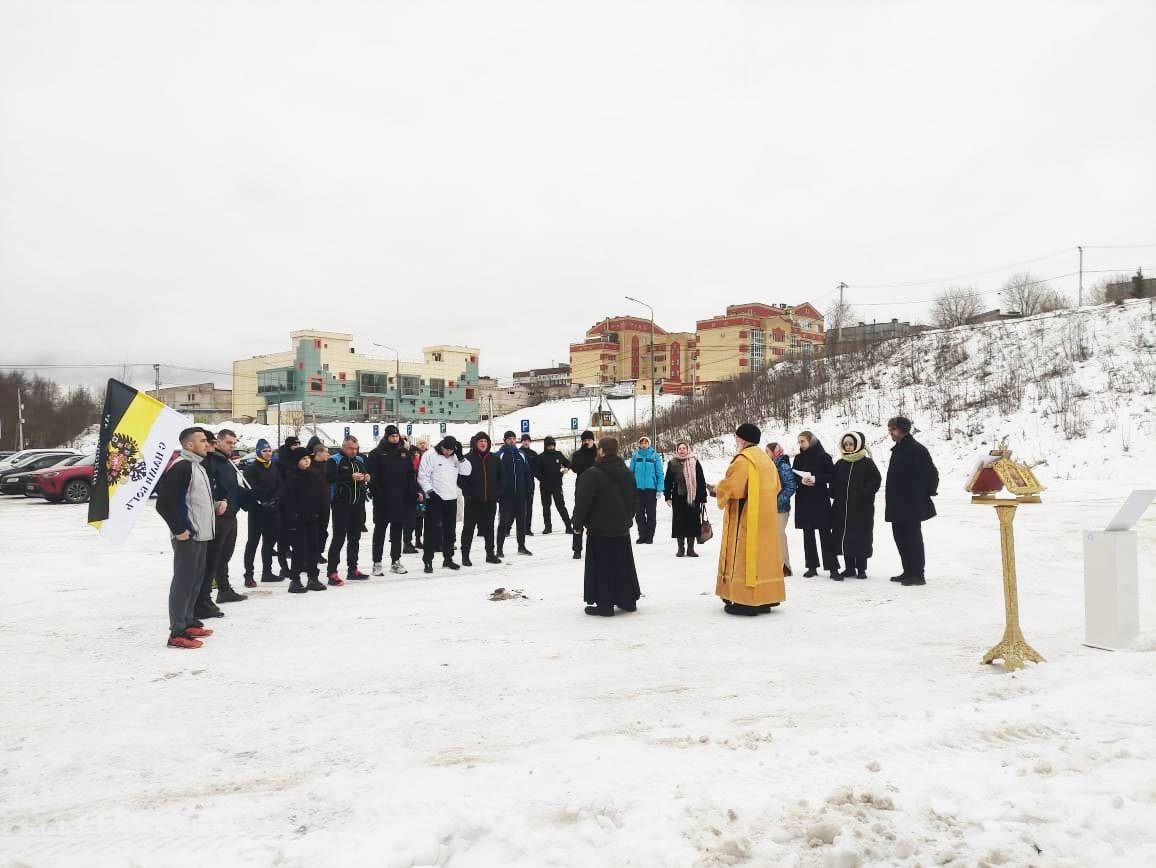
[138, 435]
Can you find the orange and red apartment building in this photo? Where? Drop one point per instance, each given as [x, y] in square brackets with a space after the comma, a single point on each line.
[748, 337]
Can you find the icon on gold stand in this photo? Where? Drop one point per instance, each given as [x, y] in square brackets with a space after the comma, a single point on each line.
[993, 474]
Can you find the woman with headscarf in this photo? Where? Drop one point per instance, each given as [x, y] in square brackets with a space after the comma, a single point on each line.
[685, 492]
[857, 481]
[816, 472]
[790, 482]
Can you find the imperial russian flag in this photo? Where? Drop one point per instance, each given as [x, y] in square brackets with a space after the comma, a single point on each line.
[138, 435]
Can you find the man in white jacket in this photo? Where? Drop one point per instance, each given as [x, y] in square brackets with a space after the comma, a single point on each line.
[437, 477]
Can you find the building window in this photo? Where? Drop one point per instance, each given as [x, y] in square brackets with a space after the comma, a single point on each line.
[316, 384]
[410, 386]
[341, 376]
[437, 388]
[354, 403]
[316, 344]
[274, 382]
[758, 351]
[437, 357]
[191, 398]
[325, 366]
[634, 356]
[469, 394]
[374, 384]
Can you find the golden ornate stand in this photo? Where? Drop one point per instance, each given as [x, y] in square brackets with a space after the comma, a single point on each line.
[1013, 649]
[992, 475]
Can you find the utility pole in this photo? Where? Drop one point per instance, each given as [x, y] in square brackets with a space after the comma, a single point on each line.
[19, 420]
[1080, 302]
[842, 313]
[693, 365]
[157, 380]
[491, 427]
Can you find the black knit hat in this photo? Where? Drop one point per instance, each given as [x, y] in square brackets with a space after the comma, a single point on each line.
[587, 435]
[549, 441]
[292, 441]
[749, 432]
[298, 453]
[390, 430]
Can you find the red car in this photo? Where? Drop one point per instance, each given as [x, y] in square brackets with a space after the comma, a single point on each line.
[69, 484]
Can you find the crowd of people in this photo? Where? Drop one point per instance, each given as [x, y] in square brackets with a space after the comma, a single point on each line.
[308, 509]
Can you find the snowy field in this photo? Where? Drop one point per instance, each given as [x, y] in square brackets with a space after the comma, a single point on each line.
[411, 721]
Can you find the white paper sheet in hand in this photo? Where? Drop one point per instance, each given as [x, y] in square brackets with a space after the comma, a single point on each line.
[1133, 508]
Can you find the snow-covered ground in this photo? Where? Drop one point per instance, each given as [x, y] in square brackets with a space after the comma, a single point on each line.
[412, 721]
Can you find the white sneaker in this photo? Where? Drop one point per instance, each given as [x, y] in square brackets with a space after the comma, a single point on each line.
[377, 570]
[397, 568]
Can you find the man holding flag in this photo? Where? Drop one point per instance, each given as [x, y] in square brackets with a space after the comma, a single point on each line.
[185, 502]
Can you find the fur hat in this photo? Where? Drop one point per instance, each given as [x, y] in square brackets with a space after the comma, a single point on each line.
[749, 432]
[860, 442]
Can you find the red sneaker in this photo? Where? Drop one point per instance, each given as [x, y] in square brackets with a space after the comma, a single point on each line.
[184, 642]
[335, 581]
[198, 632]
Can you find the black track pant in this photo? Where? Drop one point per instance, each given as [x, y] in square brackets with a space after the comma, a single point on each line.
[220, 551]
[188, 574]
[306, 537]
[554, 495]
[512, 509]
[380, 523]
[646, 518]
[263, 529]
[441, 518]
[826, 543]
[478, 516]
[348, 524]
[854, 563]
[909, 540]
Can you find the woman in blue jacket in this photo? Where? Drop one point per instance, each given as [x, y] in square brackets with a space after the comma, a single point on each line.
[646, 465]
[790, 481]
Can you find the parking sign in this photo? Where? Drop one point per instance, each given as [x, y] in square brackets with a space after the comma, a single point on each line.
[442, 427]
[346, 430]
[573, 423]
[525, 426]
[376, 432]
[408, 428]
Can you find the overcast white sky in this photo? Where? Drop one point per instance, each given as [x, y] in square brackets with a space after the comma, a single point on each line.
[187, 182]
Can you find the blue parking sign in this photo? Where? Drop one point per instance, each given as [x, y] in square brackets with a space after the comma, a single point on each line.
[573, 423]
[376, 432]
[408, 428]
[346, 430]
[525, 426]
[442, 427]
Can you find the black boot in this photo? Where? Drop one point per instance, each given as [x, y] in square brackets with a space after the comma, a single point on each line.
[315, 585]
[295, 586]
[690, 552]
[226, 594]
[466, 562]
[681, 553]
[522, 550]
[428, 567]
[493, 559]
[448, 563]
[607, 612]
[270, 576]
[811, 573]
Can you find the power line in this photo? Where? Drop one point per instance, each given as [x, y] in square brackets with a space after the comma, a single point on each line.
[961, 276]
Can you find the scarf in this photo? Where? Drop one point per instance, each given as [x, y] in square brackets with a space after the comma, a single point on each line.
[691, 477]
[860, 451]
[752, 521]
[263, 462]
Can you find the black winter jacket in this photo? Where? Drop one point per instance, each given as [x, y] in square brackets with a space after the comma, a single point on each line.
[223, 479]
[550, 464]
[582, 459]
[346, 489]
[912, 481]
[605, 499]
[813, 502]
[484, 484]
[304, 496]
[392, 480]
[264, 485]
[533, 461]
[853, 514]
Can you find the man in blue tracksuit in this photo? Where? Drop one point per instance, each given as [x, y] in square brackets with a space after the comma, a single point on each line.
[515, 476]
[646, 465]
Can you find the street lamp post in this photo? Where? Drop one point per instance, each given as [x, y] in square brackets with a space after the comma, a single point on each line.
[653, 417]
[396, 378]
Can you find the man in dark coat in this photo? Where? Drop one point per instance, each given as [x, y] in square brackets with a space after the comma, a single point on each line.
[813, 504]
[265, 481]
[223, 478]
[303, 499]
[325, 471]
[481, 491]
[393, 484]
[532, 463]
[283, 462]
[604, 506]
[912, 481]
[350, 489]
[581, 460]
[552, 465]
[512, 504]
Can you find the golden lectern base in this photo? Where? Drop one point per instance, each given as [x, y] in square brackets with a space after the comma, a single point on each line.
[1013, 651]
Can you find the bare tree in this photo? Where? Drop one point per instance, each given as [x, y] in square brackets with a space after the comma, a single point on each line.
[839, 315]
[1027, 295]
[955, 306]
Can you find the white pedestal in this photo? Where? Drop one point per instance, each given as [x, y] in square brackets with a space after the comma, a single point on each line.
[1111, 598]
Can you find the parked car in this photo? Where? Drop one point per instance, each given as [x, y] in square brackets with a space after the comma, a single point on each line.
[6, 453]
[23, 457]
[37, 461]
[72, 484]
[14, 481]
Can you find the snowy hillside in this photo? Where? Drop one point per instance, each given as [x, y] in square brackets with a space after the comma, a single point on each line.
[1073, 391]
